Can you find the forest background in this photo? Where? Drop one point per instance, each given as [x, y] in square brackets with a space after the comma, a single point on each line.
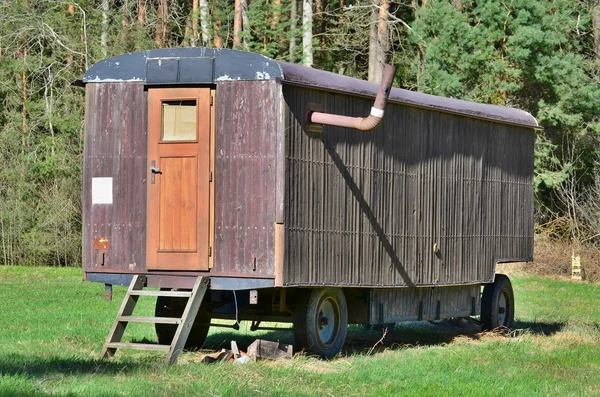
[542, 56]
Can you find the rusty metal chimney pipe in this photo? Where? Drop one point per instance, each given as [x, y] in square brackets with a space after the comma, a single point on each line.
[361, 123]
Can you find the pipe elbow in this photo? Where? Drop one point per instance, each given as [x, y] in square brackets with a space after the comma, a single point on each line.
[361, 123]
[370, 122]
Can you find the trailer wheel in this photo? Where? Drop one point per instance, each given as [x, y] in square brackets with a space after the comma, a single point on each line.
[498, 304]
[321, 321]
[167, 306]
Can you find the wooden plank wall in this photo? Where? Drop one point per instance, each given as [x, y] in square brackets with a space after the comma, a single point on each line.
[248, 118]
[116, 146]
[366, 208]
[393, 305]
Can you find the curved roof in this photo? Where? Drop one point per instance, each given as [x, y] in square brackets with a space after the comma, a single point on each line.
[176, 66]
[184, 66]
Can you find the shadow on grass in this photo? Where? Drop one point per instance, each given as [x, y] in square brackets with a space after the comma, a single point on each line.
[361, 339]
[540, 328]
[221, 338]
[405, 335]
[48, 368]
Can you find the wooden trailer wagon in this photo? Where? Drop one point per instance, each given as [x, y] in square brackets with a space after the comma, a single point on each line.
[208, 174]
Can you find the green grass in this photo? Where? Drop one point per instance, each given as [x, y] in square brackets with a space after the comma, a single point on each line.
[53, 325]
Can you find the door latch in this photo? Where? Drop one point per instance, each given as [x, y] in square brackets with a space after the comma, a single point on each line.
[154, 171]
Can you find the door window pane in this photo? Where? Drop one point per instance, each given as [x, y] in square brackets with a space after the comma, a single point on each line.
[179, 120]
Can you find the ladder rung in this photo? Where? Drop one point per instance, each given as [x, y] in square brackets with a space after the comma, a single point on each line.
[183, 294]
[138, 346]
[144, 319]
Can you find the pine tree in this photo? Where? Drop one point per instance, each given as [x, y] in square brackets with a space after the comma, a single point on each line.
[525, 54]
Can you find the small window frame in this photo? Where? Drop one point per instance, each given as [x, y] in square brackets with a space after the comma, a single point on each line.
[162, 121]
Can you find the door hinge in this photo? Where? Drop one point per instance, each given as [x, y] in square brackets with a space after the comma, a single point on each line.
[210, 176]
[211, 101]
[209, 251]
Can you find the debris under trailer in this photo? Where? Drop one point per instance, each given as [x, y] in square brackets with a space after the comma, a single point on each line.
[209, 173]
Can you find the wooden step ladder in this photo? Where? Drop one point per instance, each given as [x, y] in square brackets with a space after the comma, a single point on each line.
[184, 324]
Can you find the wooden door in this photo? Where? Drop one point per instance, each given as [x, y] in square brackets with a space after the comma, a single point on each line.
[179, 179]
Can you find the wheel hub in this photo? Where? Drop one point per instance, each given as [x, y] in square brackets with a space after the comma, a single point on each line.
[323, 321]
[327, 321]
[502, 309]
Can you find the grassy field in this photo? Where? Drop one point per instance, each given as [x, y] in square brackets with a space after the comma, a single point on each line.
[53, 325]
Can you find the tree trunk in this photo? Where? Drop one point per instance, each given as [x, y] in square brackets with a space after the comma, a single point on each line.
[125, 15]
[319, 19]
[195, 11]
[318, 9]
[205, 23]
[307, 20]
[276, 14]
[217, 24]
[104, 33]
[383, 40]
[24, 84]
[187, 35]
[237, 24]
[24, 91]
[141, 13]
[161, 24]
[294, 25]
[420, 48]
[596, 21]
[373, 41]
[245, 22]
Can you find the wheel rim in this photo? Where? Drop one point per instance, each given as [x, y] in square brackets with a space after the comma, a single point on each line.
[327, 321]
[503, 308]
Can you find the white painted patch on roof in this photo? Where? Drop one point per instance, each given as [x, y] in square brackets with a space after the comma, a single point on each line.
[226, 77]
[262, 76]
[98, 79]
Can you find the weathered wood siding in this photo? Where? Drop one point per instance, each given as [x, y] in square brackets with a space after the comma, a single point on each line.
[394, 305]
[367, 208]
[115, 146]
[248, 119]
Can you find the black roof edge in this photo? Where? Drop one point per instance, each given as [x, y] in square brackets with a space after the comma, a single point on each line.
[178, 66]
[299, 75]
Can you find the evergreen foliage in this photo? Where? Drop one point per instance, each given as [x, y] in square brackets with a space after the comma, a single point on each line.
[531, 54]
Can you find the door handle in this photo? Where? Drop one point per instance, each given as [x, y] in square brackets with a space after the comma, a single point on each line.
[154, 171]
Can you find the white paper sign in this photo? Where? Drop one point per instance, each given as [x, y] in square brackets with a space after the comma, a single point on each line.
[102, 190]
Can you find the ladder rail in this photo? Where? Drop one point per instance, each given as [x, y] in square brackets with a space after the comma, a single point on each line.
[188, 317]
[118, 328]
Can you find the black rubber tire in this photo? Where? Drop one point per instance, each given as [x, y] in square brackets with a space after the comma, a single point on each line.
[302, 296]
[321, 321]
[498, 304]
[167, 306]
